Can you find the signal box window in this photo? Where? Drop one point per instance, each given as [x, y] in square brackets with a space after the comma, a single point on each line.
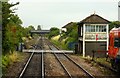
[95, 28]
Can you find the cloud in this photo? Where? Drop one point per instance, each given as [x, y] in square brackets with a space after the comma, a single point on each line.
[60, 12]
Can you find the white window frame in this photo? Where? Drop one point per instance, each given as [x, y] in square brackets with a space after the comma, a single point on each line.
[96, 32]
[102, 26]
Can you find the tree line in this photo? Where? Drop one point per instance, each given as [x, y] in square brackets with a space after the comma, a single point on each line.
[12, 29]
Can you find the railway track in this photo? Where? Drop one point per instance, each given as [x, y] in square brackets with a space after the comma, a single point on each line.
[34, 66]
[65, 61]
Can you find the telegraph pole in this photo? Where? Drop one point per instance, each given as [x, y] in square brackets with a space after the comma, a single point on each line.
[119, 11]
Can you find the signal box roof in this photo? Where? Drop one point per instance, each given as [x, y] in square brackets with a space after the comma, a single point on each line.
[69, 24]
[94, 19]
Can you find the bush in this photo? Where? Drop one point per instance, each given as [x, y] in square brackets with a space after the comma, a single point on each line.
[10, 58]
[61, 45]
[53, 32]
[5, 61]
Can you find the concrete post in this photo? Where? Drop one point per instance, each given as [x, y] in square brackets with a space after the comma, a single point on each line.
[83, 40]
[119, 11]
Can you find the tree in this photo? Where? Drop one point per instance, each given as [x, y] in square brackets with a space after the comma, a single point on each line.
[114, 24]
[31, 28]
[16, 20]
[71, 35]
[12, 28]
[28, 29]
[53, 32]
[39, 27]
[8, 26]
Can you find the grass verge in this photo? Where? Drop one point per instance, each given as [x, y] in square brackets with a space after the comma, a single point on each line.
[61, 45]
[11, 58]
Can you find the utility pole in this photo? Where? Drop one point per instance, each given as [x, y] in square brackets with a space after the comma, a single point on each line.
[119, 11]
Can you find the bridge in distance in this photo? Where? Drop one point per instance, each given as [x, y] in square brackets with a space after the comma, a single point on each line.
[40, 31]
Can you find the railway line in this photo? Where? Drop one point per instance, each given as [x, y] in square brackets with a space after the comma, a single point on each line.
[34, 66]
[70, 66]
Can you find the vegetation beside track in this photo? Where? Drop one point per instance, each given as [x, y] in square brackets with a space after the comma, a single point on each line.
[61, 45]
[12, 29]
[13, 33]
[16, 56]
[105, 63]
[11, 58]
[67, 39]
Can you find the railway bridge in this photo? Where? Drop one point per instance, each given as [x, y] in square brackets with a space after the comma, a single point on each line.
[39, 32]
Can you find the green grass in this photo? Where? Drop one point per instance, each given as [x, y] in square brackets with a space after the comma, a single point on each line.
[103, 61]
[61, 45]
[11, 58]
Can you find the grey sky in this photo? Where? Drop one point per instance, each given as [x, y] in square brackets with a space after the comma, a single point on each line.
[57, 13]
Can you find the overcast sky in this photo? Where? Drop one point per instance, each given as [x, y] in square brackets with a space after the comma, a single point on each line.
[57, 13]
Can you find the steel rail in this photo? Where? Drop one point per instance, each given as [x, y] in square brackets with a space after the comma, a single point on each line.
[28, 61]
[89, 74]
[61, 63]
[26, 65]
[78, 65]
[43, 73]
[63, 66]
